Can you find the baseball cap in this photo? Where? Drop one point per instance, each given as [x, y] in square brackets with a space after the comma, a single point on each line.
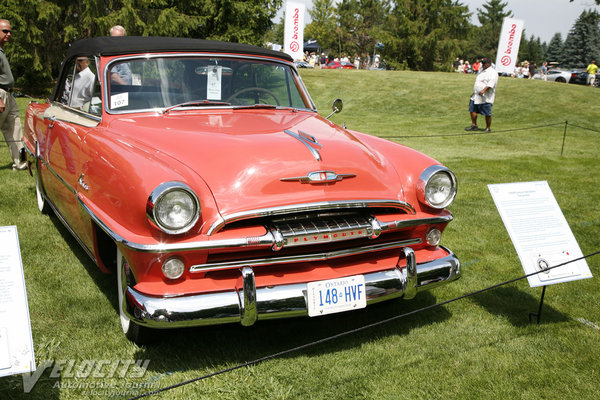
[485, 60]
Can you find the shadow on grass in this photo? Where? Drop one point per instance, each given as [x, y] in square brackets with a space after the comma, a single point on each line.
[227, 345]
[516, 305]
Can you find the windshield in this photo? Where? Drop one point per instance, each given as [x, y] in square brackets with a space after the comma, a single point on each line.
[191, 81]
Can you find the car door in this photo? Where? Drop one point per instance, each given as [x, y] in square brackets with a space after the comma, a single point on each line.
[67, 121]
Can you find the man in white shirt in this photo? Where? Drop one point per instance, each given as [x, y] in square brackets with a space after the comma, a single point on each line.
[484, 91]
[83, 83]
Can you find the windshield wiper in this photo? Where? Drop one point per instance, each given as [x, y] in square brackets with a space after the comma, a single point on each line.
[197, 103]
[265, 106]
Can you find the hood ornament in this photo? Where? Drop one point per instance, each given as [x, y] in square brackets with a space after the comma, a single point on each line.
[319, 177]
[309, 141]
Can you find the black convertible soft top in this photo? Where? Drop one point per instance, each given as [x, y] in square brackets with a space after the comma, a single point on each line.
[109, 46]
[122, 45]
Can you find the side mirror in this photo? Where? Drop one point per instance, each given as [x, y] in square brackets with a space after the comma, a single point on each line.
[336, 107]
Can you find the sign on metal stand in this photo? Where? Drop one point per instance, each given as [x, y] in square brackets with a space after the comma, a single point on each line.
[540, 234]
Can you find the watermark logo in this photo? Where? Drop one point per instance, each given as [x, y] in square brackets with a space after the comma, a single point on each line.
[77, 370]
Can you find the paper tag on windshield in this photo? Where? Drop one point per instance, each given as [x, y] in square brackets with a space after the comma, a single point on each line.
[119, 100]
[213, 83]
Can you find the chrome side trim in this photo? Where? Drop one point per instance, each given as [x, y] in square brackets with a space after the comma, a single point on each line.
[308, 207]
[409, 223]
[273, 302]
[61, 180]
[89, 252]
[304, 257]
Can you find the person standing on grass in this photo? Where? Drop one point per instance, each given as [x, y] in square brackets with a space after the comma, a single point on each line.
[484, 92]
[544, 71]
[591, 70]
[10, 124]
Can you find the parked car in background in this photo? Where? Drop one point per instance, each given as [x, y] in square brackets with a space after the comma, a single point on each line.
[302, 64]
[556, 75]
[580, 78]
[338, 65]
[201, 174]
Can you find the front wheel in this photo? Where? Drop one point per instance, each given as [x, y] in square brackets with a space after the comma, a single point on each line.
[133, 331]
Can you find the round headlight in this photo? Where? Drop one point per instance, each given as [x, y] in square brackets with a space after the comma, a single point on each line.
[437, 186]
[173, 207]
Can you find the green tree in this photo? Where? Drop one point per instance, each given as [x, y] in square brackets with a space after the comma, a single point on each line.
[583, 41]
[427, 35]
[44, 28]
[33, 57]
[323, 25]
[361, 25]
[488, 34]
[554, 52]
[531, 49]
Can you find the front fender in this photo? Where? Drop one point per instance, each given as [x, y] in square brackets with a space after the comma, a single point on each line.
[117, 178]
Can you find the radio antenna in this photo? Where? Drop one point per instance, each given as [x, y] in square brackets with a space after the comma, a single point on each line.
[341, 69]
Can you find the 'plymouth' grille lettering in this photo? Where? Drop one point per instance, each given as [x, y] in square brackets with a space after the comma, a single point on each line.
[297, 233]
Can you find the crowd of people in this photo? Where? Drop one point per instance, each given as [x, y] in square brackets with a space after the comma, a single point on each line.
[524, 69]
[320, 60]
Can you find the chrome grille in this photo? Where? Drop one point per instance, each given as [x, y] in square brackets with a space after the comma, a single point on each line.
[324, 229]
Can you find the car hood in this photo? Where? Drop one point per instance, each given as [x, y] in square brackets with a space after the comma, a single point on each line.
[252, 160]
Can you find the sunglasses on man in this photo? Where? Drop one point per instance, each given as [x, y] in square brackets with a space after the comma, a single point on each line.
[6, 30]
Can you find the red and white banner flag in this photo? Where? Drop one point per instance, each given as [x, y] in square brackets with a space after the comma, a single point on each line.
[293, 30]
[508, 46]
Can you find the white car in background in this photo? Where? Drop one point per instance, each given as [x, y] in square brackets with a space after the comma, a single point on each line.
[556, 75]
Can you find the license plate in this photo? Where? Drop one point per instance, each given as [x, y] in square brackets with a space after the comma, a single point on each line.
[336, 295]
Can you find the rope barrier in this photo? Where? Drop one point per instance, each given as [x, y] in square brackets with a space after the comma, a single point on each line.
[583, 127]
[346, 333]
[476, 132]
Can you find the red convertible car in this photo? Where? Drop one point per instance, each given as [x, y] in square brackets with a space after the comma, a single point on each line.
[202, 175]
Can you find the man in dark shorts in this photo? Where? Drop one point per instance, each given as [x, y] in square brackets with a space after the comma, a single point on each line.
[484, 91]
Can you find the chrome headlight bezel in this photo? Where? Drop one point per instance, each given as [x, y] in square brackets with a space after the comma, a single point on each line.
[430, 176]
[163, 192]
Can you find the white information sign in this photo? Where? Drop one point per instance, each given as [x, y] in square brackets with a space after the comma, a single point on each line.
[508, 45]
[16, 345]
[293, 30]
[539, 232]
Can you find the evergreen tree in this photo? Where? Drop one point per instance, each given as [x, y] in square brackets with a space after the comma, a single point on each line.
[583, 41]
[490, 18]
[323, 26]
[531, 49]
[360, 25]
[427, 35]
[554, 52]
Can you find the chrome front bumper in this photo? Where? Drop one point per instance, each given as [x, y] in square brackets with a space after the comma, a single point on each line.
[250, 304]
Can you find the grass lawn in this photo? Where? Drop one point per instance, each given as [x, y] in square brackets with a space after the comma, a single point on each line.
[476, 348]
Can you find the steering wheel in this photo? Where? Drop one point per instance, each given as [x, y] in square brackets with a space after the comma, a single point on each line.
[255, 88]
